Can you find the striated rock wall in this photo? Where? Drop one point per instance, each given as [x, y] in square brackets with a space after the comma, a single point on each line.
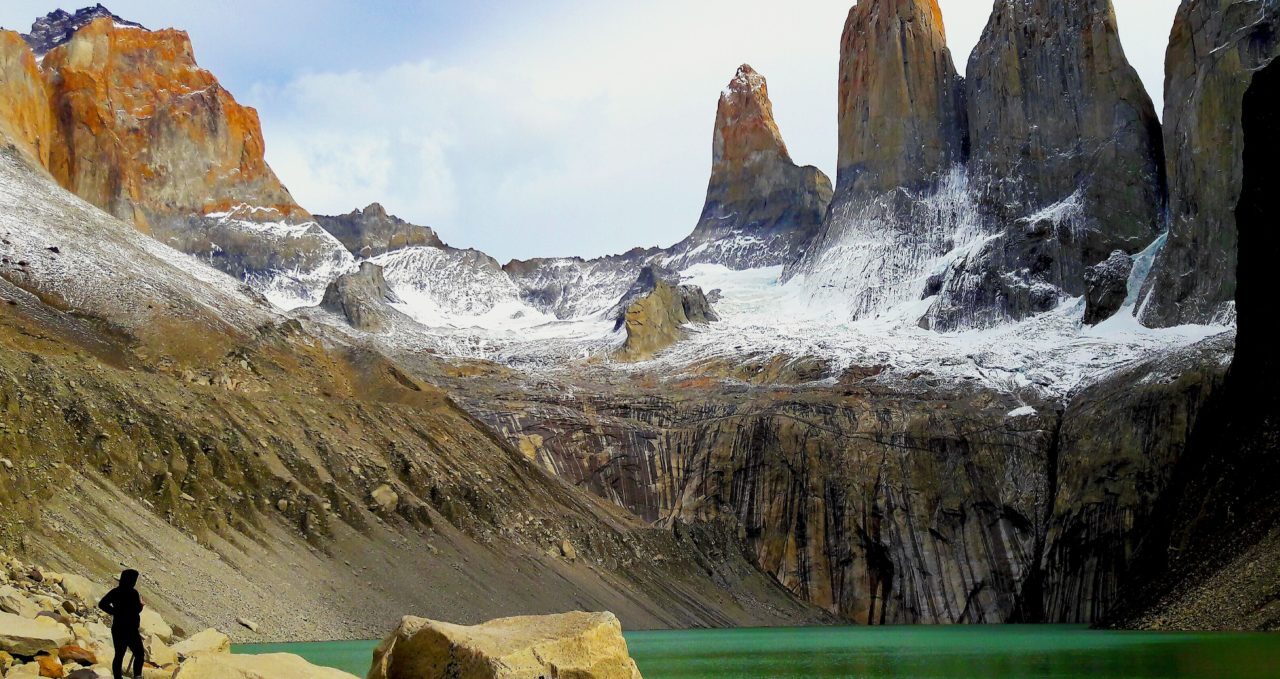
[1214, 49]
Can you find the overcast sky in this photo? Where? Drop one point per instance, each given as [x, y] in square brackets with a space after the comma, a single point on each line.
[557, 127]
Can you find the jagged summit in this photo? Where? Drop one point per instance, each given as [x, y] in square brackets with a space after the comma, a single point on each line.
[372, 231]
[57, 27]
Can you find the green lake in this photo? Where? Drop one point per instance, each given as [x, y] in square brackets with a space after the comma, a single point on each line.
[909, 652]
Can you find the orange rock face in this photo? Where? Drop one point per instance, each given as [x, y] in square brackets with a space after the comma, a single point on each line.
[902, 111]
[25, 117]
[150, 136]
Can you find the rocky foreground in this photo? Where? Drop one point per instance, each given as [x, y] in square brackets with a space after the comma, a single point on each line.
[50, 626]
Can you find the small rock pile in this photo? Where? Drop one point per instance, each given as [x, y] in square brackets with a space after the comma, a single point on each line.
[50, 626]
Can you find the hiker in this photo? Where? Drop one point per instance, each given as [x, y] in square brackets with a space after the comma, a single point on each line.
[124, 605]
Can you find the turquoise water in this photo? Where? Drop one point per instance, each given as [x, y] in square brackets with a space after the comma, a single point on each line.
[910, 652]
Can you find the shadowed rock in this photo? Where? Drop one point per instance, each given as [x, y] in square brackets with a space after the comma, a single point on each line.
[1106, 287]
[1066, 160]
[1214, 48]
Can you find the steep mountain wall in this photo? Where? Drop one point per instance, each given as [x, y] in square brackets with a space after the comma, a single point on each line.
[1066, 160]
[1215, 48]
[25, 117]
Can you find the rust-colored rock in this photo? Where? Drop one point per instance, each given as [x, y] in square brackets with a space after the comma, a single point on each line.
[150, 136]
[73, 653]
[25, 117]
[901, 107]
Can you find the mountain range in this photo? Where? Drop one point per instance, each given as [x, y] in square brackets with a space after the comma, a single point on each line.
[971, 380]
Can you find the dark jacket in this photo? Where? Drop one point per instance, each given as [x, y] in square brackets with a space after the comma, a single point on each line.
[123, 603]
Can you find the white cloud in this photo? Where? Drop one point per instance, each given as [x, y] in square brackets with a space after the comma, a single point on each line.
[585, 132]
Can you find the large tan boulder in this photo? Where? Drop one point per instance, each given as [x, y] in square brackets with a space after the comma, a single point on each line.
[82, 589]
[208, 641]
[27, 636]
[14, 601]
[268, 666]
[579, 645]
[151, 623]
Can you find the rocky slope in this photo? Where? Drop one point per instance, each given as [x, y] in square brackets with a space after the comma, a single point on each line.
[1215, 47]
[265, 470]
[761, 209]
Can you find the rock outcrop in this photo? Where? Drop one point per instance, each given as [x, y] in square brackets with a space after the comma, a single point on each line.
[581, 645]
[363, 298]
[371, 231]
[761, 208]
[1214, 49]
[657, 318]
[901, 106]
[1066, 158]
[1106, 287]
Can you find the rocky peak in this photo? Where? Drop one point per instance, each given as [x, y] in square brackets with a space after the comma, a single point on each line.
[57, 27]
[657, 319]
[901, 102]
[372, 231]
[761, 208]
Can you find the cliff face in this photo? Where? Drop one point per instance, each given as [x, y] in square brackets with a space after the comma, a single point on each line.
[1215, 47]
[761, 208]
[139, 130]
[25, 117]
[371, 232]
[1066, 161]
[901, 105]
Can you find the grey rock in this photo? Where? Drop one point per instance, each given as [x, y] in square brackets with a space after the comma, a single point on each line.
[371, 231]
[1106, 287]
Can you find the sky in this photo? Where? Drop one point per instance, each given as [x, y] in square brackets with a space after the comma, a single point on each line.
[530, 129]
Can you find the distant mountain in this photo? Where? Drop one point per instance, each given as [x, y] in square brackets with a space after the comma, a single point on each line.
[57, 27]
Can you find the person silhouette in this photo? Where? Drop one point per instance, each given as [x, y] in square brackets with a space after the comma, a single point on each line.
[124, 605]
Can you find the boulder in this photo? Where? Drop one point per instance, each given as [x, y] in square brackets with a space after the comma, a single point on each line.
[82, 589]
[656, 320]
[577, 644]
[267, 666]
[27, 636]
[159, 652]
[363, 298]
[248, 624]
[1106, 287]
[152, 624]
[208, 641]
[50, 666]
[14, 601]
[385, 499]
[71, 653]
